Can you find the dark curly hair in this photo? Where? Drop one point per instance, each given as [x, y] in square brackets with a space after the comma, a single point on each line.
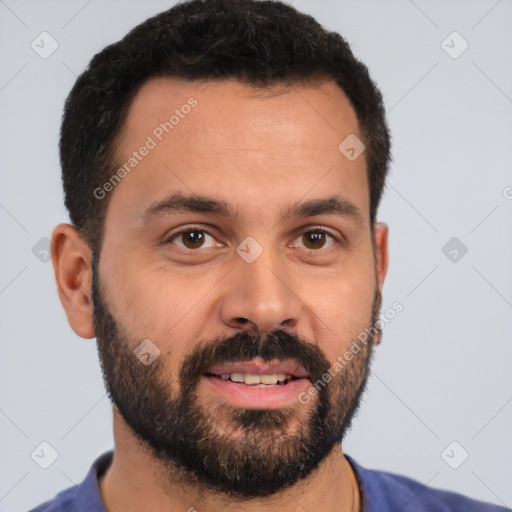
[260, 43]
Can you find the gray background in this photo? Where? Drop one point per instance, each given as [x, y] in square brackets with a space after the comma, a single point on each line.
[442, 373]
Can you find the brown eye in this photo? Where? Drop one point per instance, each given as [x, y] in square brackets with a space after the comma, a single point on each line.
[314, 239]
[193, 238]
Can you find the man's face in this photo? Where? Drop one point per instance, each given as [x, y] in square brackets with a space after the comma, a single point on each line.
[270, 271]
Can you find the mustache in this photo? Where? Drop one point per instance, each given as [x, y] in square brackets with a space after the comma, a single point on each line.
[246, 346]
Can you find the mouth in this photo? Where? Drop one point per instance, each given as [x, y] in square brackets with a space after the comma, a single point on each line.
[259, 373]
[257, 384]
[256, 380]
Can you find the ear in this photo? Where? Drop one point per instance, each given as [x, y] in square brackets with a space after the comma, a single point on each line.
[71, 258]
[381, 252]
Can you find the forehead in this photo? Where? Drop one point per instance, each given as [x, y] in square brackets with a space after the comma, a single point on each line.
[270, 112]
[239, 144]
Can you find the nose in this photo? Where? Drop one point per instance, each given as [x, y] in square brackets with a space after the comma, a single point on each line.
[259, 296]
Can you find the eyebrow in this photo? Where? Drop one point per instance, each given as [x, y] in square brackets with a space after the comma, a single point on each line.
[178, 202]
[334, 205]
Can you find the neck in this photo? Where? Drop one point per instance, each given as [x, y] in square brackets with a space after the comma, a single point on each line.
[136, 481]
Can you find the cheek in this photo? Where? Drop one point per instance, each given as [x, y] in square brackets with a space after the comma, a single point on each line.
[165, 306]
[342, 310]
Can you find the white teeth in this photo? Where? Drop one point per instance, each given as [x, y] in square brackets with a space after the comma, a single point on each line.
[253, 379]
[269, 379]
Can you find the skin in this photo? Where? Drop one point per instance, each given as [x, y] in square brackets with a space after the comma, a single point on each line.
[261, 153]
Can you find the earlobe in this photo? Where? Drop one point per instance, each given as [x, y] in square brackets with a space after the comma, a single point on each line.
[381, 249]
[71, 258]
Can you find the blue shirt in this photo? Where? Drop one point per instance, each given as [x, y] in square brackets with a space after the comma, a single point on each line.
[380, 491]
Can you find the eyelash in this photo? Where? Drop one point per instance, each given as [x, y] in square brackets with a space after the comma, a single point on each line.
[312, 229]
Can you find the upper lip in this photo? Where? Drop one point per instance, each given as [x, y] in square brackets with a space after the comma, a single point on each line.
[260, 367]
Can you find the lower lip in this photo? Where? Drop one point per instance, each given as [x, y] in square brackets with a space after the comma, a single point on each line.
[250, 397]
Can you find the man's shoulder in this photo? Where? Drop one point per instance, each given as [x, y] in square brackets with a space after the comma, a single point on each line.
[83, 497]
[384, 491]
[65, 501]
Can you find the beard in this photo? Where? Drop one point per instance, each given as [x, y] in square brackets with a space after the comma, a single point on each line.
[237, 452]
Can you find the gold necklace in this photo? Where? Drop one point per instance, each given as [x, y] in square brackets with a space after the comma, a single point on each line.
[354, 486]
